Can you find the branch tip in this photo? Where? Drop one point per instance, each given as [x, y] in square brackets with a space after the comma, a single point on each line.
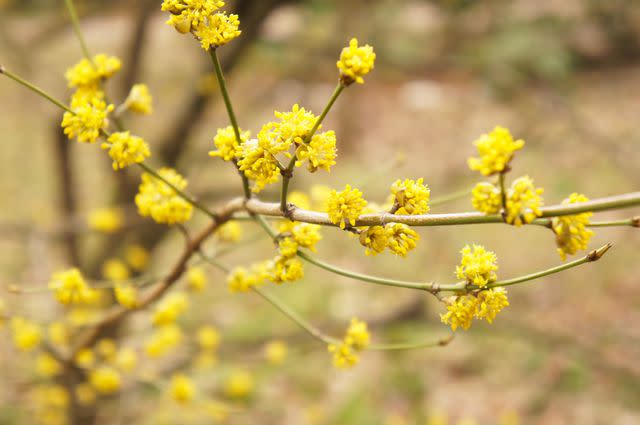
[597, 254]
[2, 69]
[446, 340]
[635, 221]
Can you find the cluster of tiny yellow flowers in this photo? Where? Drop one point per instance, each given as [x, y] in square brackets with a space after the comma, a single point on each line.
[231, 231]
[139, 100]
[162, 340]
[320, 152]
[201, 18]
[462, 309]
[170, 308]
[238, 384]
[411, 196]
[355, 62]
[182, 389]
[227, 143]
[126, 294]
[345, 207]
[196, 279]
[158, 200]
[345, 353]
[87, 120]
[115, 270]
[486, 198]
[106, 220]
[523, 202]
[126, 149]
[572, 234]
[89, 74]
[105, 379]
[496, 150]
[70, 288]
[208, 339]
[27, 335]
[137, 257]
[276, 352]
[398, 238]
[477, 266]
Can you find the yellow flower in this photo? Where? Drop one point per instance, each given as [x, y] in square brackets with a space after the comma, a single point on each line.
[208, 337]
[196, 279]
[137, 257]
[287, 247]
[169, 308]
[401, 238]
[227, 143]
[276, 352]
[105, 379]
[294, 126]
[523, 202]
[490, 303]
[355, 62]
[126, 295]
[115, 270]
[182, 389]
[258, 162]
[357, 335]
[486, 198]
[285, 269]
[496, 150]
[238, 384]
[411, 196]
[344, 356]
[70, 288]
[85, 394]
[107, 348]
[231, 231]
[477, 267]
[345, 207]
[84, 358]
[306, 235]
[106, 220]
[140, 100]
[86, 95]
[87, 120]
[219, 30]
[126, 149]
[375, 239]
[321, 152]
[57, 331]
[356, 339]
[126, 359]
[159, 201]
[190, 13]
[49, 395]
[572, 233]
[90, 73]
[242, 280]
[47, 366]
[162, 340]
[460, 311]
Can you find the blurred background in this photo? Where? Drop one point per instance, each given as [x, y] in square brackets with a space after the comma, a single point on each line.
[564, 76]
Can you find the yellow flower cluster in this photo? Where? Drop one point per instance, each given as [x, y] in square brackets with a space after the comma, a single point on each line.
[276, 352]
[182, 389]
[398, 238]
[411, 196]
[238, 384]
[231, 231]
[523, 202]
[162, 340]
[105, 379]
[227, 143]
[345, 207]
[196, 279]
[87, 120]
[137, 257]
[115, 270]
[496, 150]
[26, 334]
[258, 162]
[320, 152]
[126, 295]
[170, 308]
[126, 149]
[241, 279]
[70, 288]
[477, 266]
[355, 62]
[486, 198]
[89, 74]
[345, 353]
[140, 100]
[106, 220]
[462, 309]
[572, 233]
[200, 17]
[161, 202]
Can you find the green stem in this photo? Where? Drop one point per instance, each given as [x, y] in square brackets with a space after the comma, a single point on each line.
[76, 28]
[34, 89]
[503, 192]
[634, 222]
[411, 345]
[232, 115]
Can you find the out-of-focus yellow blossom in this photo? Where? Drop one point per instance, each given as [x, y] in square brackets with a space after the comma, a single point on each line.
[227, 143]
[106, 220]
[411, 196]
[285, 269]
[162, 340]
[572, 233]
[355, 62]
[90, 73]
[191, 13]
[477, 265]
[320, 153]
[82, 316]
[460, 311]
[70, 288]
[344, 356]
[242, 280]
[300, 200]
[486, 198]
[401, 238]
[50, 395]
[345, 207]
[287, 247]
[140, 100]
[205, 360]
[357, 335]
[105, 379]
[490, 303]
[182, 389]
[126, 295]
[320, 195]
[231, 231]
[523, 202]
[87, 120]
[375, 239]
[47, 366]
[137, 257]
[276, 352]
[496, 150]
[107, 348]
[85, 394]
[115, 270]
[306, 235]
[126, 149]
[238, 384]
[85, 358]
[216, 411]
[196, 279]
[159, 201]
[126, 359]
[56, 331]
[208, 337]
[219, 30]
[169, 308]
[356, 339]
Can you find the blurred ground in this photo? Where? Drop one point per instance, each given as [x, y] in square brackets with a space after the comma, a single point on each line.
[565, 352]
